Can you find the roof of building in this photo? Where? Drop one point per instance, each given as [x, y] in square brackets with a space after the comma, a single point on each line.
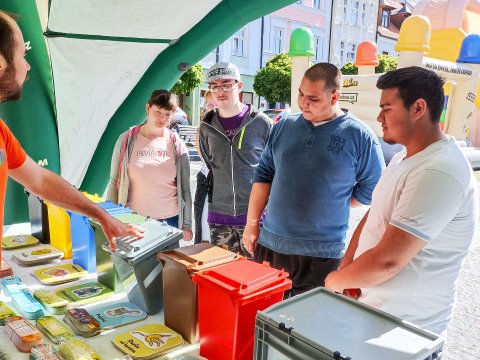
[387, 33]
[387, 4]
[404, 8]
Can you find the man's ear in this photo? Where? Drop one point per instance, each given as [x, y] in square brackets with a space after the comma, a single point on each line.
[3, 63]
[147, 107]
[418, 108]
[335, 97]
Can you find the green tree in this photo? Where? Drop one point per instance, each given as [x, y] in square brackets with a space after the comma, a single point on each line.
[190, 79]
[273, 81]
[386, 63]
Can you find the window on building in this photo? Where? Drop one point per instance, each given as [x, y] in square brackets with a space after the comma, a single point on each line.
[363, 15]
[354, 18]
[342, 49]
[317, 4]
[345, 4]
[351, 52]
[385, 18]
[277, 40]
[239, 43]
[318, 42]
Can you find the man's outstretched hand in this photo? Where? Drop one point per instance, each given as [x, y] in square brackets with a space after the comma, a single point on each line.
[114, 229]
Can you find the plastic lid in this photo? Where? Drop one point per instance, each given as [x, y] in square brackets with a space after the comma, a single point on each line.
[127, 218]
[95, 197]
[134, 219]
[200, 256]
[243, 277]
[108, 205]
[118, 211]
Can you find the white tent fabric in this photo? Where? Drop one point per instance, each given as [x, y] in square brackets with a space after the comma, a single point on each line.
[144, 19]
[93, 77]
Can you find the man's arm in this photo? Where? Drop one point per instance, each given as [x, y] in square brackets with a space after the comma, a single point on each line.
[353, 245]
[256, 207]
[55, 189]
[354, 203]
[379, 264]
[203, 149]
[370, 166]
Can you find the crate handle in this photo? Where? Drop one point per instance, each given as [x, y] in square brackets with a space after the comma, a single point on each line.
[285, 329]
[337, 356]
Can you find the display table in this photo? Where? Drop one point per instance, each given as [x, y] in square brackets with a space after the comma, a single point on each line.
[101, 343]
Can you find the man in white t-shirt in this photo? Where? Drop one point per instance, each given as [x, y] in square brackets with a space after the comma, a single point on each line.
[407, 251]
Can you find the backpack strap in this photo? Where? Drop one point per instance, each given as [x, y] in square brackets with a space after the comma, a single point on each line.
[131, 133]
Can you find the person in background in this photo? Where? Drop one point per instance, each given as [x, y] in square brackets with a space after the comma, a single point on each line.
[232, 139]
[200, 205]
[407, 252]
[315, 167]
[15, 163]
[150, 171]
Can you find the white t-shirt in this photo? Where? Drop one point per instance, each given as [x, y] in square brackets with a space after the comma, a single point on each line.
[434, 196]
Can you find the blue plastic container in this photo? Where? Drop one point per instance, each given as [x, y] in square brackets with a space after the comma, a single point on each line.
[83, 241]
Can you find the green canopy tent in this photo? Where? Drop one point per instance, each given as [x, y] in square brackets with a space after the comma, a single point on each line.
[94, 64]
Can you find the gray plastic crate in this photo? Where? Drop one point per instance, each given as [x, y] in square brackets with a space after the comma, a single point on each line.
[322, 325]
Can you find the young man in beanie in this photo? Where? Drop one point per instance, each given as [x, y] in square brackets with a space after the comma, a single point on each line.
[232, 138]
[14, 162]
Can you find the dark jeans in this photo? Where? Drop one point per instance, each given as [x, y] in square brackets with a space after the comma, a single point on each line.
[198, 204]
[172, 221]
[306, 272]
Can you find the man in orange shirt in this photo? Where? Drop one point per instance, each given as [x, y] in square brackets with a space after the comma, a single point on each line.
[14, 162]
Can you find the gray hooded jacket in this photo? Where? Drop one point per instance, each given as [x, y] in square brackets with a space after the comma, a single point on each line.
[232, 162]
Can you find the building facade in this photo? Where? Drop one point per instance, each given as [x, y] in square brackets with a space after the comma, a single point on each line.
[391, 15]
[354, 21]
[260, 40]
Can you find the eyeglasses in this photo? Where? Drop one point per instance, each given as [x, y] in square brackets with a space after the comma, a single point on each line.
[223, 88]
[163, 115]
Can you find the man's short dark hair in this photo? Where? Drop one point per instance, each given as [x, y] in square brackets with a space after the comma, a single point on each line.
[415, 83]
[326, 72]
[164, 99]
[7, 36]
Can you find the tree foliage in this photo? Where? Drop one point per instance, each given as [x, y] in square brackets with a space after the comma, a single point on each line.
[386, 63]
[274, 80]
[190, 79]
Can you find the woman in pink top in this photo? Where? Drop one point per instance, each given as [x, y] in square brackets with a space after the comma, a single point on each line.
[150, 169]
